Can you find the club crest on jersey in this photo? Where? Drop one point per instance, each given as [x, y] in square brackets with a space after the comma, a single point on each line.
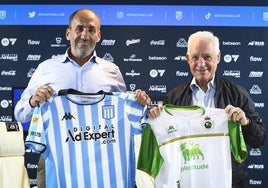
[108, 112]
[208, 123]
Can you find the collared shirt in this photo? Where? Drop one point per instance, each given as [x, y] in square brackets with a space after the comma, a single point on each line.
[61, 72]
[203, 98]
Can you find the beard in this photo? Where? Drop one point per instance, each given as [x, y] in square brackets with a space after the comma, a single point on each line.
[84, 50]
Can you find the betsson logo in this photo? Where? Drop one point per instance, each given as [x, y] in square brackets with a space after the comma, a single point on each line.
[231, 43]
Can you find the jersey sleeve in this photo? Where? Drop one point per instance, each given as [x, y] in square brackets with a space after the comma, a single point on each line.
[36, 136]
[150, 159]
[135, 112]
[238, 145]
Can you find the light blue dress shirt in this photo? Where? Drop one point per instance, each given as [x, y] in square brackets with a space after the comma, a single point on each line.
[60, 72]
[202, 98]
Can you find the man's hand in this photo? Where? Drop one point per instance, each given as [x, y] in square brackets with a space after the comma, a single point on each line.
[155, 111]
[42, 94]
[142, 98]
[237, 114]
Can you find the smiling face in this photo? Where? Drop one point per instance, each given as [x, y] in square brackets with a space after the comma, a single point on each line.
[83, 34]
[203, 58]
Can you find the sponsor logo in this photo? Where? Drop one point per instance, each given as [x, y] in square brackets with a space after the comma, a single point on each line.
[30, 72]
[228, 58]
[157, 42]
[256, 166]
[259, 105]
[154, 73]
[233, 73]
[255, 182]
[157, 58]
[58, 43]
[180, 58]
[5, 118]
[12, 57]
[8, 73]
[181, 43]
[159, 88]
[132, 73]
[256, 74]
[8, 41]
[255, 59]
[105, 134]
[106, 42]
[255, 152]
[5, 88]
[32, 181]
[133, 41]
[181, 74]
[67, 116]
[31, 57]
[35, 119]
[33, 42]
[31, 166]
[5, 103]
[171, 129]
[256, 43]
[191, 151]
[132, 58]
[132, 87]
[108, 57]
[255, 89]
[231, 43]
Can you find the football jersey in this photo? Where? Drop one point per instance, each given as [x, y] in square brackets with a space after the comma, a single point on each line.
[191, 146]
[87, 140]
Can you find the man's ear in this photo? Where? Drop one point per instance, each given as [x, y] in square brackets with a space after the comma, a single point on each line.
[99, 36]
[187, 57]
[67, 34]
[219, 57]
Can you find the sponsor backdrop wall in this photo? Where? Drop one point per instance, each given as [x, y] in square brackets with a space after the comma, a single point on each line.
[148, 43]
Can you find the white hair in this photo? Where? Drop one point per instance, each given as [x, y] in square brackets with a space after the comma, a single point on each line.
[206, 35]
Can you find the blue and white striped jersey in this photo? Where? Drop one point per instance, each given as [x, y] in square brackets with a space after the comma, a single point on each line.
[87, 140]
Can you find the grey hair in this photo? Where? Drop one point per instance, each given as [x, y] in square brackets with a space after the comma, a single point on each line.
[206, 35]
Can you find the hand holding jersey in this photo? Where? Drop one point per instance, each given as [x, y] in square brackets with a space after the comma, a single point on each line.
[234, 113]
[87, 140]
[182, 147]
